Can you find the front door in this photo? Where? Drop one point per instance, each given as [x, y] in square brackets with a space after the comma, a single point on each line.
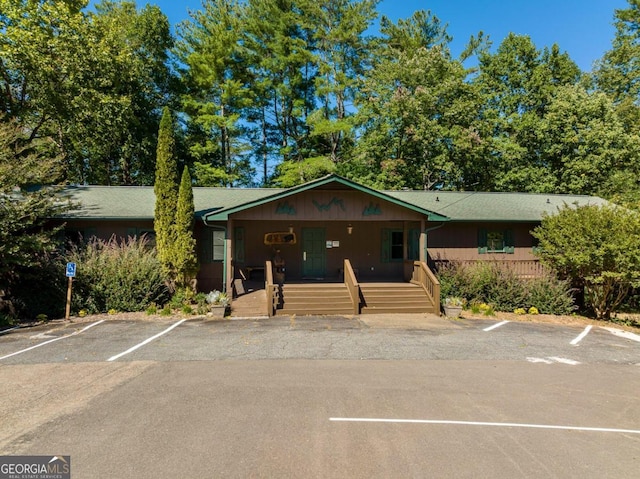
[314, 252]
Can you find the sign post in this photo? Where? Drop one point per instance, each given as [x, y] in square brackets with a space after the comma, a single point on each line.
[71, 273]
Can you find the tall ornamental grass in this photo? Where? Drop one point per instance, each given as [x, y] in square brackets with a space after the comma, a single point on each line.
[120, 275]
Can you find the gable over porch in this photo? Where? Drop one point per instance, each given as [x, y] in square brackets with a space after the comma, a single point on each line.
[316, 226]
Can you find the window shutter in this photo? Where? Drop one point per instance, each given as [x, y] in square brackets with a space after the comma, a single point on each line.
[509, 243]
[482, 240]
[206, 246]
[414, 244]
[385, 254]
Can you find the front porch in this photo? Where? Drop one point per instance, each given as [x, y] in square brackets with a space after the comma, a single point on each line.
[345, 296]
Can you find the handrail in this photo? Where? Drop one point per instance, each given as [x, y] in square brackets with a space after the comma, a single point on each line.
[269, 288]
[425, 277]
[352, 285]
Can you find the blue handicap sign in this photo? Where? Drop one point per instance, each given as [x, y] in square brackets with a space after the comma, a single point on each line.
[71, 270]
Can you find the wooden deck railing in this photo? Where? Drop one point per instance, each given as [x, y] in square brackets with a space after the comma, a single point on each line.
[352, 285]
[270, 289]
[521, 268]
[423, 276]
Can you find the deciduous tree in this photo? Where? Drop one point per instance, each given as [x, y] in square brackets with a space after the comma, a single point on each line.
[598, 248]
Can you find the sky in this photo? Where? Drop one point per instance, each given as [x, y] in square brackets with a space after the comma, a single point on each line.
[582, 28]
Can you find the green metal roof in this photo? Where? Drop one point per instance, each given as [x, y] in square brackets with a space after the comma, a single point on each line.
[479, 206]
[138, 202]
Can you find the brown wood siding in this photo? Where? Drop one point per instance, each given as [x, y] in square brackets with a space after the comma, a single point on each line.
[328, 205]
[459, 242]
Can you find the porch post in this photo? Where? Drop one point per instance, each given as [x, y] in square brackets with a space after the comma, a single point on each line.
[423, 241]
[228, 273]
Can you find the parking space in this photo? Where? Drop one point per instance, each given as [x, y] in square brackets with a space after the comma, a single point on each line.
[175, 339]
[76, 342]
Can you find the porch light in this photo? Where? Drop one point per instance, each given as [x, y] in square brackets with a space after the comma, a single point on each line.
[290, 229]
[349, 229]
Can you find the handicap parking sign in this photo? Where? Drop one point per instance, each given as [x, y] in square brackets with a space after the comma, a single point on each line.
[71, 270]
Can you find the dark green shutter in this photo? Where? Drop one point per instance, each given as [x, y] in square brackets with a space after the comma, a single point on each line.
[509, 243]
[385, 253]
[132, 232]
[206, 246]
[482, 240]
[414, 244]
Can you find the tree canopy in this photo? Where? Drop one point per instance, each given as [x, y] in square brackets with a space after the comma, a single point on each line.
[277, 93]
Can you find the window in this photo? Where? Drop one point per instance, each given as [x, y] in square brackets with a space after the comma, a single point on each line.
[212, 247]
[392, 245]
[148, 234]
[495, 241]
[218, 245]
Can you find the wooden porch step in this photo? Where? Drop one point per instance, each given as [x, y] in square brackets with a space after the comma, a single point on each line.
[391, 298]
[315, 299]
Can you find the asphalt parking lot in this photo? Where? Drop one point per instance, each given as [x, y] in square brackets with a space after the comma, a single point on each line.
[324, 397]
[378, 337]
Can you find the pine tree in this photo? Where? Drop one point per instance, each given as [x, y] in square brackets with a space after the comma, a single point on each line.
[183, 249]
[166, 191]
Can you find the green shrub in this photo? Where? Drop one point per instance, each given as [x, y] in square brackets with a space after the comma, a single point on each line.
[500, 287]
[181, 297]
[550, 295]
[117, 275]
[41, 290]
[450, 278]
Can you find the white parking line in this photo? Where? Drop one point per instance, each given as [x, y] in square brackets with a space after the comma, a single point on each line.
[475, 423]
[581, 335]
[623, 334]
[52, 340]
[146, 341]
[497, 325]
[553, 359]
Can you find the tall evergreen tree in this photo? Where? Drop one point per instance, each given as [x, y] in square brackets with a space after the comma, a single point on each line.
[166, 191]
[183, 250]
[417, 113]
[216, 89]
[342, 55]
